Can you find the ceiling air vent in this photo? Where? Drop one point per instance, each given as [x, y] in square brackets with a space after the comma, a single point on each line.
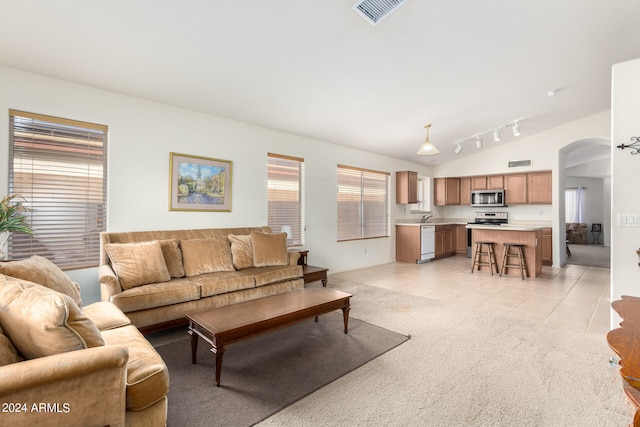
[519, 163]
[375, 11]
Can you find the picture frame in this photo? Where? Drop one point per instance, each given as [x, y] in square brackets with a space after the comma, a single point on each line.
[201, 184]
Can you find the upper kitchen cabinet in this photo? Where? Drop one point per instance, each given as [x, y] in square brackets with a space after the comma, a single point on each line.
[465, 191]
[446, 191]
[406, 187]
[539, 188]
[478, 182]
[495, 182]
[515, 189]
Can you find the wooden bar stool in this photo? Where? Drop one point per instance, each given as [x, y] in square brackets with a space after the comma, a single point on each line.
[477, 258]
[519, 253]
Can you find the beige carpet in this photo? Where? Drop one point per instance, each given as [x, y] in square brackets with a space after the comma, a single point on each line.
[466, 368]
[590, 255]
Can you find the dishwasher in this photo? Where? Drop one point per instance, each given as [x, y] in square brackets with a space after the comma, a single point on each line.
[427, 243]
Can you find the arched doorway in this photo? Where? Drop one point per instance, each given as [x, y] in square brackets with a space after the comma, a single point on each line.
[587, 169]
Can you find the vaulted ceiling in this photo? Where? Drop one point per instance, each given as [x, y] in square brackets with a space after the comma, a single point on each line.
[318, 69]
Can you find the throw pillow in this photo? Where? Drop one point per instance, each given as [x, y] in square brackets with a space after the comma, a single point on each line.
[202, 256]
[172, 257]
[42, 322]
[40, 270]
[241, 250]
[269, 249]
[138, 264]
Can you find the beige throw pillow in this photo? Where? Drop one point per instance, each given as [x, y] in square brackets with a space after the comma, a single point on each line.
[138, 264]
[42, 322]
[202, 256]
[40, 270]
[173, 257]
[241, 250]
[269, 249]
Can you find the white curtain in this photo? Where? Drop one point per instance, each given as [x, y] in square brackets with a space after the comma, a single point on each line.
[574, 204]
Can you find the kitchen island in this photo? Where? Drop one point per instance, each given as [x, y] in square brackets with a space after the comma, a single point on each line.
[529, 236]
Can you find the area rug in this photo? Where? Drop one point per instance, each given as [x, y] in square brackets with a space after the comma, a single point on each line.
[266, 373]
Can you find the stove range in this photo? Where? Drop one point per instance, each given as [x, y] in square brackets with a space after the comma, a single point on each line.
[491, 218]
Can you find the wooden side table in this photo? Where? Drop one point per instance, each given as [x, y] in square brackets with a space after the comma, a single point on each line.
[311, 274]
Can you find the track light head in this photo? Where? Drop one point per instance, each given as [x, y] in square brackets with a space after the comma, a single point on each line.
[496, 135]
[516, 129]
[458, 148]
[478, 142]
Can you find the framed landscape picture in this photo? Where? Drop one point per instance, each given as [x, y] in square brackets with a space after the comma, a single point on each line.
[199, 183]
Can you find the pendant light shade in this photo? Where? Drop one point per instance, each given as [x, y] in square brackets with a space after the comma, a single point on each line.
[427, 148]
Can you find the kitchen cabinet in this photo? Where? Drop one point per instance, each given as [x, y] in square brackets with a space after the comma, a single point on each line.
[515, 189]
[495, 182]
[478, 182]
[460, 233]
[444, 241]
[539, 188]
[465, 191]
[447, 191]
[407, 243]
[547, 246]
[406, 187]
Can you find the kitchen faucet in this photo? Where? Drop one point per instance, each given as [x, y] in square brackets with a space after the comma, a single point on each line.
[425, 218]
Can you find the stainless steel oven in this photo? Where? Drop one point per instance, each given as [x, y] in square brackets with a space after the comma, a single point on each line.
[485, 218]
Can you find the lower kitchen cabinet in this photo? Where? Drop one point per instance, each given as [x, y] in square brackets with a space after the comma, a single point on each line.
[445, 242]
[547, 246]
[461, 240]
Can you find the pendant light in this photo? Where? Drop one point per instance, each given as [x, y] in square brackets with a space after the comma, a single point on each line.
[427, 148]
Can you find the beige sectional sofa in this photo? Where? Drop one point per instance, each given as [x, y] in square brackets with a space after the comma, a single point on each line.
[62, 364]
[156, 277]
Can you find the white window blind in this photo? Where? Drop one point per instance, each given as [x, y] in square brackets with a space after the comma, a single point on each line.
[363, 203]
[286, 197]
[59, 167]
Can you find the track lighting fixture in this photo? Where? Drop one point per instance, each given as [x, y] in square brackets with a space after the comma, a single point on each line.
[516, 129]
[427, 148]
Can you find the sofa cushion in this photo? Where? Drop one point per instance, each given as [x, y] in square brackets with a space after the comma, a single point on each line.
[221, 282]
[147, 374]
[138, 264]
[105, 315]
[273, 274]
[173, 257]
[206, 256]
[8, 352]
[40, 270]
[241, 250]
[156, 295]
[269, 249]
[41, 322]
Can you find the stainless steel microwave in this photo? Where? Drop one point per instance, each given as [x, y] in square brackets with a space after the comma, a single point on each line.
[487, 198]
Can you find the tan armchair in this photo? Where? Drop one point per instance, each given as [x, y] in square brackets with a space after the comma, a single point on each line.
[577, 233]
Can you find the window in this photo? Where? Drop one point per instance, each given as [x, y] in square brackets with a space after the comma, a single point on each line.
[574, 204]
[59, 167]
[363, 203]
[286, 198]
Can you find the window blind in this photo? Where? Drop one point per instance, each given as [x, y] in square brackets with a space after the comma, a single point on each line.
[363, 203]
[286, 196]
[59, 167]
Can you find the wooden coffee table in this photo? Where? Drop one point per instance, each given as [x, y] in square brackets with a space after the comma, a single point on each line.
[225, 325]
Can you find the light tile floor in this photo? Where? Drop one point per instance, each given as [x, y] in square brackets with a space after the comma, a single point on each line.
[574, 297]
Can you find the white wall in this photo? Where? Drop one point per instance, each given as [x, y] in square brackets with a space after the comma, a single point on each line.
[625, 241]
[143, 133]
[545, 152]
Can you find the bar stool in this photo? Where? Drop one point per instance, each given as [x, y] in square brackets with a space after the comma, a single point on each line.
[522, 263]
[477, 258]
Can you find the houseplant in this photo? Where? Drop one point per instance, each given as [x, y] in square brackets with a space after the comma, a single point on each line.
[11, 219]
